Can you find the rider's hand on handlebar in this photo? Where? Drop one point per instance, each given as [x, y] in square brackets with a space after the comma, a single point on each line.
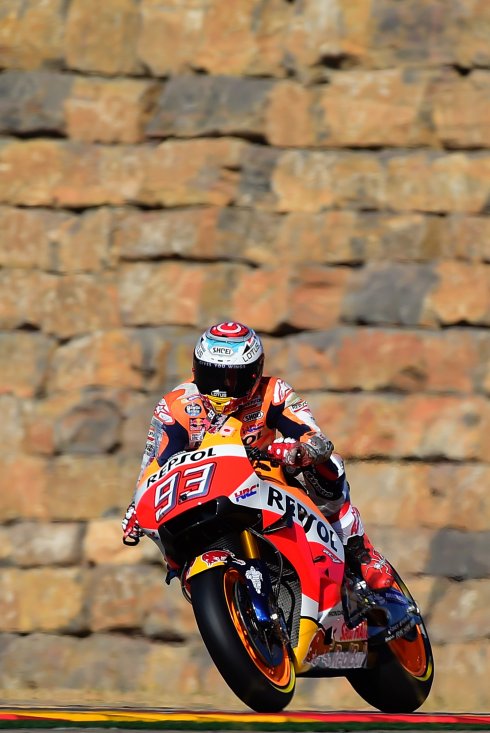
[131, 529]
[289, 452]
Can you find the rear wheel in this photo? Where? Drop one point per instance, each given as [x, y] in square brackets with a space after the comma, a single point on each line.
[402, 675]
[253, 660]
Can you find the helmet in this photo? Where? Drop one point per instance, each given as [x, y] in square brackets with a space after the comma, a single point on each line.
[227, 366]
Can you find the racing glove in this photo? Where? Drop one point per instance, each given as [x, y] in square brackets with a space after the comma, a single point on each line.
[132, 532]
[291, 452]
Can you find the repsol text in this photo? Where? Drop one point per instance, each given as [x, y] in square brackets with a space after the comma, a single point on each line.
[290, 506]
[177, 460]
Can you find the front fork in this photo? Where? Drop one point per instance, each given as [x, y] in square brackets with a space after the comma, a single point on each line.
[260, 588]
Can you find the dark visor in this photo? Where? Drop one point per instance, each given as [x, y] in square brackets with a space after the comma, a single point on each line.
[230, 381]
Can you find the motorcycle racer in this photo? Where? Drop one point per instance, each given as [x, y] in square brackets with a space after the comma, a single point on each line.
[228, 378]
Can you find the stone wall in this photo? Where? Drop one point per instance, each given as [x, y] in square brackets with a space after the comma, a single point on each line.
[319, 169]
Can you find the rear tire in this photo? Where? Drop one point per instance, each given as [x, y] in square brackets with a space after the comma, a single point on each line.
[256, 665]
[403, 673]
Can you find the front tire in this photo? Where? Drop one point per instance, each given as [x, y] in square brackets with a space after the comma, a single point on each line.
[402, 676]
[255, 663]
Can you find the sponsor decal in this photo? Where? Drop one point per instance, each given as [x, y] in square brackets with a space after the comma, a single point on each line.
[341, 660]
[332, 557]
[300, 405]
[245, 493]
[218, 393]
[252, 416]
[162, 412]
[193, 410]
[257, 400]
[177, 460]
[255, 577]
[221, 350]
[197, 423]
[249, 355]
[358, 633]
[213, 556]
[288, 504]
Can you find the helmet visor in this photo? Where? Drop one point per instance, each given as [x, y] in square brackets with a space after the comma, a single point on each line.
[226, 381]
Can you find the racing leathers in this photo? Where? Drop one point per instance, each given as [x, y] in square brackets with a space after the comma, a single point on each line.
[181, 419]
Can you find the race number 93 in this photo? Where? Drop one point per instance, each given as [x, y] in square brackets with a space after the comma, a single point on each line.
[193, 481]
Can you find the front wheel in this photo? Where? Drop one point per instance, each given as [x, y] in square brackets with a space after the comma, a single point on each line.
[401, 677]
[254, 661]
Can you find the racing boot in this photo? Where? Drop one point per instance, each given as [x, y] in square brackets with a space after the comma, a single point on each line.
[327, 485]
[374, 569]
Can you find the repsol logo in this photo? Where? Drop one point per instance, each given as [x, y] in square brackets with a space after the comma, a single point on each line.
[289, 505]
[177, 460]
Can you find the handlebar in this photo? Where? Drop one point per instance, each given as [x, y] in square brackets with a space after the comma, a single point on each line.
[256, 455]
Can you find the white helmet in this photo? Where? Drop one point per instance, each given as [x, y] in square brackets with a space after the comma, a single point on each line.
[228, 364]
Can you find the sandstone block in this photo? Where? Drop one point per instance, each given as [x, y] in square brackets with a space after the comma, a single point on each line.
[135, 597]
[80, 304]
[174, 292]
[461, 295]
[54, 241]
[102, 545]
[23, 237]
[455, 665]
[354, 102]
[471, 39]
[435, 182]
[147, 235]
[203, 37]
[24, 486]
[352, 237]
[32, 101]
[12, 427]
[45, 172]
[88, 487]
[460, 555]
[262, 298]
[166, 353]
[309, 181]
[414, 33]
[91, 426]
[435, 496]
[103, 359]
[24, 297]
[31, 34]
[108, 111]
[290, 116]
[315, 38]
[102, 38]
[418, 426]
[257, 167]
[374, 359]
[317, 296]
[35, 543]
[189, 106]
[93, 664]
[461, 109]
[460, 614]
[24, 360]
[82, 243]
[197, 233]
[192, 674]
[43, 599]
[470, 237]
[191, 172]
[389, 293]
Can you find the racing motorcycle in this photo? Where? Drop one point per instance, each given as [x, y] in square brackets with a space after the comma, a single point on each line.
[272, 594]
